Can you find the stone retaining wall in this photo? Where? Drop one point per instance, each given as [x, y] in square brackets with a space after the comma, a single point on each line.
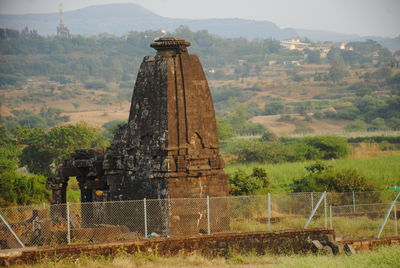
[293, 241]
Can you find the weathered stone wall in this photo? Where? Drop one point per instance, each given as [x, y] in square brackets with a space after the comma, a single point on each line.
[290, 241]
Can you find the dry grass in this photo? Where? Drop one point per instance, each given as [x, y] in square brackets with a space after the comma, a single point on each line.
[382, 257]
[99, 117]
[370, 149]
[286, 128]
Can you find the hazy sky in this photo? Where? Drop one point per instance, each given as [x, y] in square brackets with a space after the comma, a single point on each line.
[363, 17]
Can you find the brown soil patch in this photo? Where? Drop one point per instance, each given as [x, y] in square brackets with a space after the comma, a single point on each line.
[98, 117]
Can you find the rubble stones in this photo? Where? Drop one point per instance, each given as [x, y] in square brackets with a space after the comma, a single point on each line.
[349, 249]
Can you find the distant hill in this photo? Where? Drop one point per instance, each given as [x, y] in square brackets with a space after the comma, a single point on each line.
[119, 19]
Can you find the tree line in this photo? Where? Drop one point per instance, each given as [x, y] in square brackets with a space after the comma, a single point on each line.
[26, 53]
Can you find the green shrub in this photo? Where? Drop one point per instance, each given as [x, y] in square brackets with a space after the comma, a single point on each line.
[330, 146]
[269, 136]
[348, 113]
[274, 107]
[322, 177]
[60, 79]
[300, 151]
[22, 189]
[95, 85]
[244, 184]
[259, 151]
[287, 149]
[357, 125]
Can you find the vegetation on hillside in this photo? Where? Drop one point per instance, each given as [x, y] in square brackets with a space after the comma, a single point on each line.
[107, 64]
[249, 79]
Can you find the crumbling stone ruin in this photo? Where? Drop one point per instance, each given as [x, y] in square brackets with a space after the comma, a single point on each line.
[168, 149]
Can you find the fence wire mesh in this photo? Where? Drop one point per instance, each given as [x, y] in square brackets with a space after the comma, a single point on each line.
[352, 214]
[33, 225]
[363, 220]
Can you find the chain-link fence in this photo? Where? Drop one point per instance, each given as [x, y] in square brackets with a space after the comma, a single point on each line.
[352, 215]
[364, 220]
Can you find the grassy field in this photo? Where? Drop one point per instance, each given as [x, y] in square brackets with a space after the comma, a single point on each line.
[382, 257]
[384, 170]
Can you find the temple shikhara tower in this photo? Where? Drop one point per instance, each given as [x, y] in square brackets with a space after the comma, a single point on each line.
[168, 149]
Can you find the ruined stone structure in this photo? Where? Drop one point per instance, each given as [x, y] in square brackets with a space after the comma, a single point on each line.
[168, 149]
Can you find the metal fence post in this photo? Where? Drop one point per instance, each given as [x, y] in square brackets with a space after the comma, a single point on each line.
[68, 224]
[354, 202]
[312, 200]
[387, 216]
[325, 213]
[12, 232]
[269, 212]
[395, 219]
[208, 215]
[145, 217]
[330, 217]
[314, 210]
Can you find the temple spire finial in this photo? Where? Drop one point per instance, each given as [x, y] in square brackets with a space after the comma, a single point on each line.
[170, 44]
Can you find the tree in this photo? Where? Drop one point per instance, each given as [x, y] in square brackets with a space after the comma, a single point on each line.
[381, 73]
[9, 152]
[365, 48]
[76, 105]
[17, 188]
[338, 70]
[357, 125]
[274, 107]
[239, 120]
[111, 127]
[313, 56]
[377, 124]
[225, 130]
[22, 189]
[46, 149]
[393, 123]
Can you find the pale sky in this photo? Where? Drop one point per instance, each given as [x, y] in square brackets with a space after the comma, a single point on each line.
[362, 17]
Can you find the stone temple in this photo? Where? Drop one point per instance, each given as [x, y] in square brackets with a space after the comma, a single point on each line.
[168, 149]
